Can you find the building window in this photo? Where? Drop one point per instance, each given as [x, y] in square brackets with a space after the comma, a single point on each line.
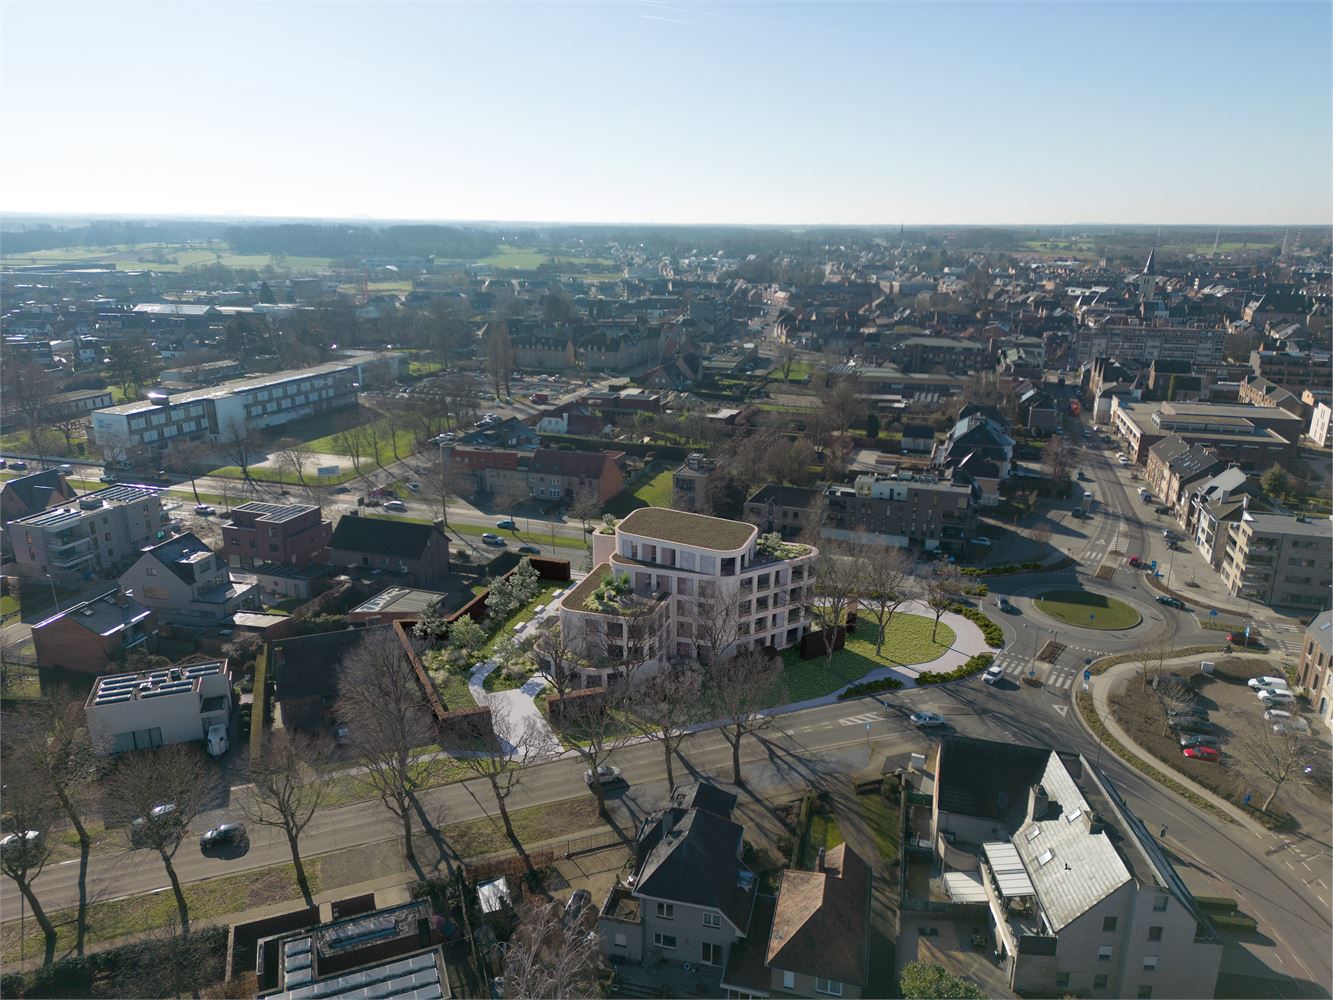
[621, 941]
[1104, 953]
[712, 919]
[1159, 904]
[711, 954]
[664, 940]
[1062, 979]
[1108, 923]
[1098, 981]
[1145, 993]
[788, 980]
[1150, 963]
[666, 911]
[829, 987]
[1154, 933]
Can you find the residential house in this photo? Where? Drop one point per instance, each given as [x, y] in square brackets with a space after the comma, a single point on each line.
[917, 439]
[566, 475]
[98, 533]
[187, 583]
[794, 511]
[29, 494]
[978, 446]
[90, 636]
[170, 705]
[1279, 560]
[418, 552]
[690, 482]
[1315, 671]
[1174, 465]
[1082, 899]
[1259, 391]
[304, 671]
[287, 534]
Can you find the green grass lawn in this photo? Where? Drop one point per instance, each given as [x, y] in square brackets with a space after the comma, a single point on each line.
[823, 832]
[532, 825]
[906, 641]
[651, 492]
[9, 605]
[348, 788]
[527, 259]
[882, 819]
[1087, 610]
[174, 257]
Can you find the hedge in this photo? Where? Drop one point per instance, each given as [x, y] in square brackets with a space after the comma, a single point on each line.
[1004, 570]
[871, 687]
[991, 632]
[974, 665]
[976, 590]
[1234, 921]
[1217, 903]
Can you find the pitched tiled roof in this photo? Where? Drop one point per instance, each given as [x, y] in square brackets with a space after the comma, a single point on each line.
[820, 922]
[381, 537]
[574, 464]
[692, 857]
[36, 491]
[307, 666]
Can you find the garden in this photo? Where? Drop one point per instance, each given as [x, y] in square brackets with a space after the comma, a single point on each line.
[907, 640]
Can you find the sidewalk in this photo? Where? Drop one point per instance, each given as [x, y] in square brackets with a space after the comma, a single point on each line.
[1115, 677]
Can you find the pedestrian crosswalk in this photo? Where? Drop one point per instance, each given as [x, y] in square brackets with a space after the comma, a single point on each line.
[859, 720]
[1058, 676]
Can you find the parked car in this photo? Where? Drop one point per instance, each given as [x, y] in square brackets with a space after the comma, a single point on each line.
[578, 902]
[1135, 562]
[1202, 753]
[1189, 724]
[19, 466]
[506, 524]
[66, 468]
[397, 506]
[205, 510]
[981, 540]
[1277, 715]
[371, 501]
[28, 838]
[1267, 682]
[926, 720]
[1173, 602]
[1188, 712]
[1276, 697]
[531, 550]
[606, 775]
[491, 538]
[994, 674]
[414, 487]
[1161, 509]
[1122, 460]
[1296, 725]
[1198, 741]
[223, 835]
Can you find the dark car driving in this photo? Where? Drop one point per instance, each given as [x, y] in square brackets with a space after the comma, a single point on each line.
[223, 835]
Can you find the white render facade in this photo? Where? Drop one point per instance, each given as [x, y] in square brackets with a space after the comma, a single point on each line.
[688, 580]
[172, 705]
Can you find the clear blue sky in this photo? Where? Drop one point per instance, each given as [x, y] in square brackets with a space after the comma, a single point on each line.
[1055, 112]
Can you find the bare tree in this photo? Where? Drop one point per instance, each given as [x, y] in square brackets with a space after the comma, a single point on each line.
[598, 732]
[715, 624]
[549, 956]
[288, 786]
[293, 459]
[352, 443]
[28, 389]
[508, 497]
[387, 719]
[1174, 695]
[1275, 753]
[443, 478]
[558, 656]
[142, 784]
[942, 585]
[58, 752]
[666, 704]
[830, 596]
[887, 581]
[499, 355]
[241, 448]
[736, 690]
[28, 814]
[519, 748]
[586, 508]
[785, 356]
[374, 435]
[1058, 457]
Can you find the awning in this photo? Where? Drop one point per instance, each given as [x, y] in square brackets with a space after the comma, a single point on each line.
[963, 887]
[1010, 874]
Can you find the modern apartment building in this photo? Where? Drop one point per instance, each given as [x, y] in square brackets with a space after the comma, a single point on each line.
[1082, 899]
[689, 483]
[1201, 347]
[931, 513]
[669, 583]
[148, 428]
[1315, 672]
[171, 705]
[1279, 560]
[1253, 437]
[290, 534]
[98, 533]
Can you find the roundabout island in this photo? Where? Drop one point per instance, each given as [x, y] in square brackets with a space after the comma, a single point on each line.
[1084, 609]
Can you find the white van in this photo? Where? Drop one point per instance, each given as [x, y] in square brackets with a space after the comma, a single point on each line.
[218, 743]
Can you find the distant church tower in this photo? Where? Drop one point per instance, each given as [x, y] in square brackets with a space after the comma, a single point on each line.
[1150, 268]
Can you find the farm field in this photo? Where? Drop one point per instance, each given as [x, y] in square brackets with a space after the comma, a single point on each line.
[172, 257]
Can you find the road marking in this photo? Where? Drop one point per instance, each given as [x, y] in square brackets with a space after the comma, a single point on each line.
[856, 720]
[1062, 709]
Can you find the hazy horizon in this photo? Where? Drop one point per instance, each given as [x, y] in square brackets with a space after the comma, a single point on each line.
[670, 113]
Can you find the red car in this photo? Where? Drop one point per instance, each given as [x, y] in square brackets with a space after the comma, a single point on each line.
[1241, 639]
[1201, 753]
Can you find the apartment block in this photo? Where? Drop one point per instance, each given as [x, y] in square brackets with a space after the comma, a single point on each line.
[1174, 465]
[1201, 347]
[929, 513]
[88, 637]
[1315, 672]
[1321, 424]
[148, 428]
[145, 710]
[1279, 560]
[97, 534]
[1253, 437]
[546, 474]
[671, 583]
[290, 534]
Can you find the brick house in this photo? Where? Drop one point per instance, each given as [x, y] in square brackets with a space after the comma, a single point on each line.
[1315, 672]
[563, 475]
[420, 552]
[290, 534]
[89, 637]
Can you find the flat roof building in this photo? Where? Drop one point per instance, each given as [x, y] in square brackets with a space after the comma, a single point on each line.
[145, 710]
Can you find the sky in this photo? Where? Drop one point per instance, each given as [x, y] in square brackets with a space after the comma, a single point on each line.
[881, 113]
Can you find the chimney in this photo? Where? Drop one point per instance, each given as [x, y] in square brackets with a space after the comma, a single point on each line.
[439, 524]
[1245, 501]
[819, 860]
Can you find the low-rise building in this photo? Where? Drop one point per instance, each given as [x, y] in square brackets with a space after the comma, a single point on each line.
[690, 482]
[926, 512]
[397, 604]
[1174, 465]
[1315, 672]
[146, 710]
[34, 492]
[917, 439]
[546, 474]
[792, 511]
[419, 552]
[1253, 437]
[90, 636]
[1279, 560]
[187, 583]
[290, 534]
[99, 533]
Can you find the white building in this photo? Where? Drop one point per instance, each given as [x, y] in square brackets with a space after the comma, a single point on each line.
[187, 583]
[668, 583]
[1321, 425]
[97, 533]
[172, 705]
[147, 428]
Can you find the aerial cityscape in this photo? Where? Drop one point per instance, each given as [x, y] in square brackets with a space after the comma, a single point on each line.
[660, 500]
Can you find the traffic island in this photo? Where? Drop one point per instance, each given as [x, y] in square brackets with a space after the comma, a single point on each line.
[1084, 609]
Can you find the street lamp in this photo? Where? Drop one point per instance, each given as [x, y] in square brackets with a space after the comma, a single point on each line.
[54, 599]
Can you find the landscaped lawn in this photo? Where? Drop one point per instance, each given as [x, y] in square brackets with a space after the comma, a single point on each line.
[654, 492]
[1087, 610]
[906, 641]
[824, 832]
[882, 819]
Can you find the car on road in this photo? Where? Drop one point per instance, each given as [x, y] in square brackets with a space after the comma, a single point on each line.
[1135, 562]
[28, 838]
[1161, 509]
[397, 506]
[531, 550]
[1122, 459]
[223, 835]
[981, 540]
[1202, 753]
[1189, 724]
[159, 814]
[20, 466]
[1197, 741]
[578, 902]
[606, 775]
[414, 487]
[205, 510]
[994, 674]
[1173, 602]
[1267, 682]
[66, 468]
[1004, 605]
[506, 524]
[1276, 697]
[108, 478]
[1241, 639]
[370, 501]
[926, 720]
[490, 538]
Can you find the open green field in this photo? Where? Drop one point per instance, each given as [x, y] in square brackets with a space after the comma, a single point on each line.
[163, 257]
[906, 641]
[1087, 610]
[652, 492]
[527, 259]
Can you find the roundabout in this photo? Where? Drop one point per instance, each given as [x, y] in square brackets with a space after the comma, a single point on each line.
[1085, 609]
